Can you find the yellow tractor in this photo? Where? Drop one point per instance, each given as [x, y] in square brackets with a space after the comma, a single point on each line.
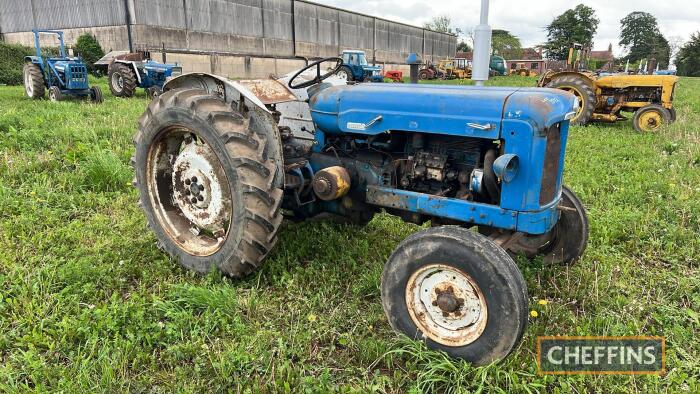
[603, 97]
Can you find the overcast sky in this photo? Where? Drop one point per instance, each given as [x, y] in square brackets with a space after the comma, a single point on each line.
[527, 19]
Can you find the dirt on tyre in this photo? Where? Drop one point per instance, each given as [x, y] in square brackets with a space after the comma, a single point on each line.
[651, 117]
[122, 80]
[583, 90]
[457, 291]
[210, 182]
[33, 81]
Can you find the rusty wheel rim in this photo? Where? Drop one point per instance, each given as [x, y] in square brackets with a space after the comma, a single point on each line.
[189, 191]
[446, 305]
[579, 96]
[650, 120]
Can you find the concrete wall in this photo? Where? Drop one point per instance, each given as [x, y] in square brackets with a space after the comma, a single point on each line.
[250, 29]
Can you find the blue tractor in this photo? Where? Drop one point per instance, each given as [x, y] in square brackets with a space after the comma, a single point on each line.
[355, 68]
[128, 71]
[219, 163]
[63, 76]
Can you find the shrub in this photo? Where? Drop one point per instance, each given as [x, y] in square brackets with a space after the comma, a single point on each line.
[12, 61]
[90, 50]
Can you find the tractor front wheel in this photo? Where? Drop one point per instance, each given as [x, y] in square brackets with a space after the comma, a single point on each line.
[55, 93]
[564, 244]
[583, 90]
[122, 80]
[457, 291]
[96, 94]
[210, 182]
[650, 118]
[33, 81]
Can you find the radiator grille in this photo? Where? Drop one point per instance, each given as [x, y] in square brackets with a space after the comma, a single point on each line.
[550, 171]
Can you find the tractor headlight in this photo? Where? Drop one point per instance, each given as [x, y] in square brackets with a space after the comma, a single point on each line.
[176, 72]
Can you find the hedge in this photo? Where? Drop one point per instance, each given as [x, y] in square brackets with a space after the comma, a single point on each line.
[12, 61]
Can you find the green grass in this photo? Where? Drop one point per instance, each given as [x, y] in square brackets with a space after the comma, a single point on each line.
[88, 303]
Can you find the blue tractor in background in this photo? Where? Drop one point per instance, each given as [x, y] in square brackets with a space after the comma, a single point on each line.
[355, 68]
[63, 76]
[218, 163]
[128, 71]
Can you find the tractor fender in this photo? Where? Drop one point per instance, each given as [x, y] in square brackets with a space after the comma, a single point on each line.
[230, 91]
[131, 65]
[33, 59]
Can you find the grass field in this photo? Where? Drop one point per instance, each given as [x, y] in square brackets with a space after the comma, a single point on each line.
[89, 304]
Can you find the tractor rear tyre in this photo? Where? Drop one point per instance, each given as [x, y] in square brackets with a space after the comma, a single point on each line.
[583, 91]
[650, 118]
[33, 81]
[346, 73]
[564, 244]
[122, 80]
[458, 291]
[672, 111]
[55, 93]
[210, 182]
[96, 94]
[424, 75]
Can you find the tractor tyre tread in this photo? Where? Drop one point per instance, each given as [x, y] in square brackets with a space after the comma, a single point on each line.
[128, 79]
[349, 73]
[38, 88]
[587, 91]
[258, 172]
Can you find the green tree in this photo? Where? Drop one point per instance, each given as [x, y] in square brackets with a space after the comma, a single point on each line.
[442, 24]
[688, 58]
[89, 48]
[577, 25]
[463, 46]
[640, 36]
[506, 44]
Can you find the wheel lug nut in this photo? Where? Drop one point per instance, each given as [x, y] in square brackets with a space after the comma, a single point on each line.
[187, 192]
[200, 198]
[187, 181]
[201, 188]
[194, 179]
[194, 200]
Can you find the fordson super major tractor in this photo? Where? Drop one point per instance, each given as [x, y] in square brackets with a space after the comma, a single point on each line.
[219, 162]
[63, 76]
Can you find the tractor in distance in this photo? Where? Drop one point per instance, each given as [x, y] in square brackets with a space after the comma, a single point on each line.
[129, 71]
[63, 76]
[604, 97]
[219, 163]
[355, 68]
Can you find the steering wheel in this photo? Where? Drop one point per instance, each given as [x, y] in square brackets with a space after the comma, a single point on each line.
[319, 77]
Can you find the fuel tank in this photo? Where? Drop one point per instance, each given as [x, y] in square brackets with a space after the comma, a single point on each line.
[453, 110]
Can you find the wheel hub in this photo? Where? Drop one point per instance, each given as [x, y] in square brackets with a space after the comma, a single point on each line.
[446, 305]
[197, 183]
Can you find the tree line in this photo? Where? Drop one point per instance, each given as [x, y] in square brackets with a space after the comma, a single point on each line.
[640, 37]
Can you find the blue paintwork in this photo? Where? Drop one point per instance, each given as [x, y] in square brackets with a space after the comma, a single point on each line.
[665, 72]
[154, 73]
[519, 118]
[68, 73]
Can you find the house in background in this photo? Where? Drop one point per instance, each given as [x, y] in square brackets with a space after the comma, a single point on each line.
[529, 59]
[605, 60]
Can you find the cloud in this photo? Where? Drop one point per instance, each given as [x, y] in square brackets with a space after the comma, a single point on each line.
[527, 19]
